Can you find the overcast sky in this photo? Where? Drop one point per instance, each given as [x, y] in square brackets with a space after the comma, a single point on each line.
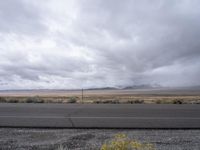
[99, 43]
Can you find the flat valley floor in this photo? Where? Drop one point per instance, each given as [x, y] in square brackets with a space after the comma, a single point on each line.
[149, 96]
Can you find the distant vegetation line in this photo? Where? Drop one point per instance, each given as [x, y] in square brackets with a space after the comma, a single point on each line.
[123, 99]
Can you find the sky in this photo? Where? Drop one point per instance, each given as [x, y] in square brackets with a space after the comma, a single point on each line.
[70, 44]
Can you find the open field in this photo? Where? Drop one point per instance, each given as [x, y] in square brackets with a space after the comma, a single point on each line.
[159, 96]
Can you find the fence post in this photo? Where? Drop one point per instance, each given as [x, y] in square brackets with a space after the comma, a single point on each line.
[82, 96]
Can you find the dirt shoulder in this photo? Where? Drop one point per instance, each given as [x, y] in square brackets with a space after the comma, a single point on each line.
[85, 139]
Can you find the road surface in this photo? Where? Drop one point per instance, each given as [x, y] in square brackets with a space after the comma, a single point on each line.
[100, 116]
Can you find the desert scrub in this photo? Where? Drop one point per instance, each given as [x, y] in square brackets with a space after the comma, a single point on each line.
[139, 101]
[62, 148]
[130, 102]
[12, 100]
[162, 102]
[158, 101]
[35, 99]
[135, 102]
[122, 142]
[110, 101]
[116, 101]
[97, 102]
[2, 99]
[177, 101]
[72, 99]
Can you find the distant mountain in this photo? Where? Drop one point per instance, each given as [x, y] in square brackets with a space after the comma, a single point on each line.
[133, 87]
[143, 86]
[103, 88]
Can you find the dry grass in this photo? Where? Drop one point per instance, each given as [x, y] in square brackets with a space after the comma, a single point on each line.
[102, 99]
[122, 142]
[105, 96]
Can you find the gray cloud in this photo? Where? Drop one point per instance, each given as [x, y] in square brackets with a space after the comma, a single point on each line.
[19, 17]
[86, 43]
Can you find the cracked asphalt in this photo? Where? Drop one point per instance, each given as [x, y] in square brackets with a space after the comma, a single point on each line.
[92, 139]
[152, 116]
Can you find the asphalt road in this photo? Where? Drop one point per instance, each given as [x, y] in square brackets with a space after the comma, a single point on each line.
[153, 116]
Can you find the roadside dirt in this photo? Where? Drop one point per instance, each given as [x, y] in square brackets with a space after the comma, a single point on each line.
[91, 139]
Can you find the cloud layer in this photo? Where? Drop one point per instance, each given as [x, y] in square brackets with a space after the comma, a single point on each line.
[87, 43]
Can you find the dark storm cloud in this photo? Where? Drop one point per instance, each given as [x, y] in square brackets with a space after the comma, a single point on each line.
[153, 34]
[99, 43]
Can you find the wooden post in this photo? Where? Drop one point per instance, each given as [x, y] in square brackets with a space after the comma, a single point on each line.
[82, 96]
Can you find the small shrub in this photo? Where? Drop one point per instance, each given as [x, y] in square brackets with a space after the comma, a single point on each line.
[29, 100]
[13, 100]
[130, 102]
[62, 148]
[106, 102]
[97, 102]
[122, 142]
[158, 102]
[34, 99]
[177, 101]
[49, 100]
[40, 101]
[115, 101]
[72, 100]
[2, 99]
[138, 101]
[197, 102]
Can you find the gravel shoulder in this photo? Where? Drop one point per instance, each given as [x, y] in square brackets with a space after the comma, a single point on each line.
[92, 139]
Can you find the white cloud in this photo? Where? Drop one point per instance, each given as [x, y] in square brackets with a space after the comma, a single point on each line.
[86, 43]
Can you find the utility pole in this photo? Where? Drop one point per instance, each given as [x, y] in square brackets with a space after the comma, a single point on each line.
[82, 96]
